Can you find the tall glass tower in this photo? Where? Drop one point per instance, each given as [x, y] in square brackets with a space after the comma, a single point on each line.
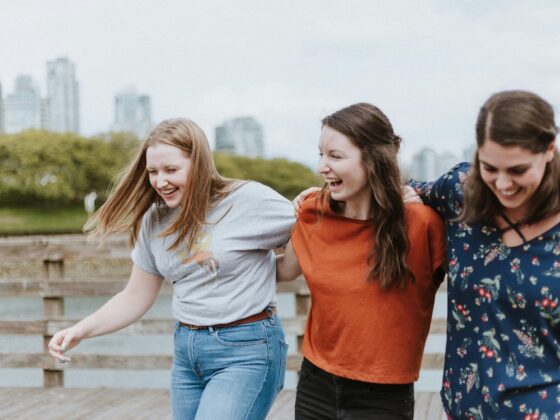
[63, 96]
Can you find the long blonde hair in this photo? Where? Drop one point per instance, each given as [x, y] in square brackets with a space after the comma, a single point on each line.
[132, 195]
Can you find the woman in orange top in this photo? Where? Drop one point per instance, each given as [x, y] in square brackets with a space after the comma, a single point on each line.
[373, 265]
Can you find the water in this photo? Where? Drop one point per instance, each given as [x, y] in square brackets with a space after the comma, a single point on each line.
[31, 308]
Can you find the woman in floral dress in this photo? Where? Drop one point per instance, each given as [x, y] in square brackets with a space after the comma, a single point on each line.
[502, 214]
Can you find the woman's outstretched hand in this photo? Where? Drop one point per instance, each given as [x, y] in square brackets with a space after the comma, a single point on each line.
[63, 341]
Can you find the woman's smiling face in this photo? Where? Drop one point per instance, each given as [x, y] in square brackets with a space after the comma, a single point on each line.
[168, 171]
[513, 174]
[343, 168]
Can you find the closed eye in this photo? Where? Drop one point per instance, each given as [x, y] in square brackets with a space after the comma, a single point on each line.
[517, 170]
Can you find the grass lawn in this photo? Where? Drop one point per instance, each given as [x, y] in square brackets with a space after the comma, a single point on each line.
[35, 221]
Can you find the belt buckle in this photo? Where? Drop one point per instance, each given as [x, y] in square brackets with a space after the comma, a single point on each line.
[194, 327]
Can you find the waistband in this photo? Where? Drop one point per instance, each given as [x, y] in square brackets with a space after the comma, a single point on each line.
[374, 386]
[264, 314]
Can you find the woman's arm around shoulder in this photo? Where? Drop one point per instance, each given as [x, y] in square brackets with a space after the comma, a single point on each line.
[287, 265]
[435, 231]
[445, 194]
[120, 311]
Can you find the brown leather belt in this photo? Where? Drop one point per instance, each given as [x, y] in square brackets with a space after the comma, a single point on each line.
[265, 313]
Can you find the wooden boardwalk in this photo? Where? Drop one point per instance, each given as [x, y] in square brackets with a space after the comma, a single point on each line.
[139, 404]
[55, 268]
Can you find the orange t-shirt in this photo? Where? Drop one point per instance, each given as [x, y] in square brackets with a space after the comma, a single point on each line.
[356, 329]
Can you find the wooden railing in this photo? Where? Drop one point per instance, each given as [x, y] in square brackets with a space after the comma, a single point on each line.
[56, 267]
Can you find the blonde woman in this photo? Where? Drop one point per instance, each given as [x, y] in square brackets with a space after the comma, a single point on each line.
[211, 238]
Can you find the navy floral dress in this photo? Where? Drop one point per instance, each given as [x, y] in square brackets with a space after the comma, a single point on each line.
[502, 358]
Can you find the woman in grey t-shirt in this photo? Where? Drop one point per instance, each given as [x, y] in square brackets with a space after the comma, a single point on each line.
[211, 238]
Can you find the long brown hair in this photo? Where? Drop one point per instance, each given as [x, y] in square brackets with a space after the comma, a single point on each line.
[514, 118]
[371, 131]
[132, 195]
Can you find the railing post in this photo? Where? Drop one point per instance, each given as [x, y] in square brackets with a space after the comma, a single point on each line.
[303, 303]
[52, 307]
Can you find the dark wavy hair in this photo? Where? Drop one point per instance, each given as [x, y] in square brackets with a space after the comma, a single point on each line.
[371, 131]
[514, 118]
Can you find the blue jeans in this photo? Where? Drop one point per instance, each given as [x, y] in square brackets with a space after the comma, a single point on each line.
[228, 373]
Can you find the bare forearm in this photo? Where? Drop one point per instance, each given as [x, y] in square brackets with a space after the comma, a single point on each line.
[120, 311]
[287, 265]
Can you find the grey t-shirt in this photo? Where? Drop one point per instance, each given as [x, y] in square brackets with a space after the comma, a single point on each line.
[230, 272]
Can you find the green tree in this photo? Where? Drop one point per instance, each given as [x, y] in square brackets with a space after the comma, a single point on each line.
[41, 167]
[44, 168]
[288, 178]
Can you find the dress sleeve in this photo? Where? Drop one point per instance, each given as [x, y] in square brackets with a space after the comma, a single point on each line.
[437, 239]
[445, 195]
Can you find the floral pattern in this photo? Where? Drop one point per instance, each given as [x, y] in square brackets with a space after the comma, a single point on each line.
[503, 335]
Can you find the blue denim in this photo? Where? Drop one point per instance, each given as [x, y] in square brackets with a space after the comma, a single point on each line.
[228, 373]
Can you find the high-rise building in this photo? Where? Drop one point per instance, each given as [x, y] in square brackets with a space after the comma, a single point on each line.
[24, 108]
[424, 165]
[133, 112]
[1, 111]
[427, 165]
[63, 96]
[242, 136]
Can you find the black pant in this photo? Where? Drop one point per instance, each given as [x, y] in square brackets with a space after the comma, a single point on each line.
[324, 396]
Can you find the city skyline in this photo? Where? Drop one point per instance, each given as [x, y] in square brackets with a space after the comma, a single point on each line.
[429, 66]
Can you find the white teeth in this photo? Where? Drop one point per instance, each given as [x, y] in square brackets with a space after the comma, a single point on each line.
[508, 193]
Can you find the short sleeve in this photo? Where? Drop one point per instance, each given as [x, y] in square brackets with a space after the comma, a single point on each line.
[271, 217]
[445, 195]
[142, 255]
[437, 242]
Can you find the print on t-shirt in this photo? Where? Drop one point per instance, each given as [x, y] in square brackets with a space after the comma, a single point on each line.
[201, 253]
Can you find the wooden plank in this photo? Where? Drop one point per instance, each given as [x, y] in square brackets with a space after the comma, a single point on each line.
[298, 287]
[28, 287]
[85, 361]
[103, 361]
[16, 407]
[15, 327]
[125, 404]
[62, 247]
[293, 326]
[438, 326]
[433, 361]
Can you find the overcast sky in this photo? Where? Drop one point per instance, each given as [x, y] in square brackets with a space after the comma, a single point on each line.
[428, 64]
